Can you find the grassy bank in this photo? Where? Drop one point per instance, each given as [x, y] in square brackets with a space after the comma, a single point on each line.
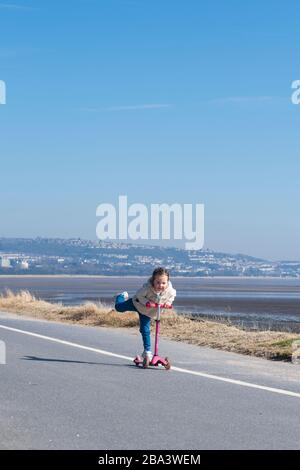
[268, 344]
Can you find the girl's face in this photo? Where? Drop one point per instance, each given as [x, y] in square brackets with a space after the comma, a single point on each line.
[160, 283]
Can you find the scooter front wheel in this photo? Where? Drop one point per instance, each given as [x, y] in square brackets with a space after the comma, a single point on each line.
[167, 364]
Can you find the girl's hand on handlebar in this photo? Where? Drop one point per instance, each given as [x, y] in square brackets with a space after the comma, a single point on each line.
[151, 305]
[154, 305]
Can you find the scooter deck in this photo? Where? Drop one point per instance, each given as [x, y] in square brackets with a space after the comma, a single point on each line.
[156, 362]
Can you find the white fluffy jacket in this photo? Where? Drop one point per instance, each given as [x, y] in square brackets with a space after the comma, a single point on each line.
[147, 294]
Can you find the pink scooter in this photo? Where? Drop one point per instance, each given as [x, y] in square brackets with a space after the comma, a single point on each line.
[156, 360]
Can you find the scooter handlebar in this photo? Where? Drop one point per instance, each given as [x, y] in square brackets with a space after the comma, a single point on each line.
[155, 305]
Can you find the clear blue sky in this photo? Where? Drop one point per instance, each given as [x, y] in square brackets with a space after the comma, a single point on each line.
[162, 100]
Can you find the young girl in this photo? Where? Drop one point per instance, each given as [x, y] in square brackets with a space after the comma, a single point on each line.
[157, 288]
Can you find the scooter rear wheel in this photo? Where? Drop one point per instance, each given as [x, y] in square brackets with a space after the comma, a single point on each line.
[138, 361]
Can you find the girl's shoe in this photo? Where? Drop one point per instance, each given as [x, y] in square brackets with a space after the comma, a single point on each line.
[147, 357]
[122, 297]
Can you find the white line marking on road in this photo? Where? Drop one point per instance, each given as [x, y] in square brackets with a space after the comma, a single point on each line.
[176, 369]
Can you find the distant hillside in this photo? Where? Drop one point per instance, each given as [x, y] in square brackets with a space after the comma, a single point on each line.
[78, 256]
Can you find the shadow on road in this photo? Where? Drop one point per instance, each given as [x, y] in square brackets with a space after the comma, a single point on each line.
[47, 359]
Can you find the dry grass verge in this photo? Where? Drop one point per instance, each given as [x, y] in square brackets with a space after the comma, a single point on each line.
[268, 344]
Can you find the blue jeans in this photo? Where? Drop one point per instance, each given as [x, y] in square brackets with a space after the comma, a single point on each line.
[145, 321]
